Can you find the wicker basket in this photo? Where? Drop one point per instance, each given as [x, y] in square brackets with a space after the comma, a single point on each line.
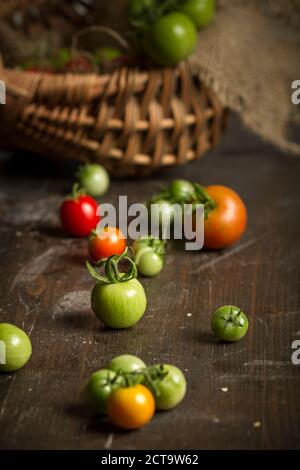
[132, 121]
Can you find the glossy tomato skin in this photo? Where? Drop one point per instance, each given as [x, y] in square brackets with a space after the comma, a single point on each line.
[227, 222]
[148, 262]
[109, 242]
[79, 215]
[17, 347]
[94, 179]
[181, 190]
[171, 389]
[131, 407]
[229, 323]
[119, 305]
[171, 38]
[201, 12]
[126, 363]
[99, 388]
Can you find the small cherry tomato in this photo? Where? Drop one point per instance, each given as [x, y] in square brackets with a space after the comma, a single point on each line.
[171, 38]
[109, 242]
[94, 179]
[201, 12]
[229, 323]
[148, 262]
[99, 387]
[181, 190]
[126, 363]
[78, 214]
[170, 386]
[131, 407]
[226, 222]
[118, 299]
[15, 347]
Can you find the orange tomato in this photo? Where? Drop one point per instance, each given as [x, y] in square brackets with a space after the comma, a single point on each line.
[227, 222]
[109, 242]
[131, 407]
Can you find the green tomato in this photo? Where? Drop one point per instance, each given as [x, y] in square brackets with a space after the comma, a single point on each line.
[148, 262]
[15, 348]
[229, 323]
[126, 363]
[104, 55]
[171, 389]
[138, 8]
[147, 241]
[94, 179]
[181, 190]
[201, 12]
[119, 305]
[171, 38]
[99, 387]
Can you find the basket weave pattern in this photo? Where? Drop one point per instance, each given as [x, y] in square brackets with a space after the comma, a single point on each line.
[132, 121]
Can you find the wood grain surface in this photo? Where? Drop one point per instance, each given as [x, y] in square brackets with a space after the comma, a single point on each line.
[45, 289]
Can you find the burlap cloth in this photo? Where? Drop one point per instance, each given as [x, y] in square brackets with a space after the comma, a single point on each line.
[251, 56]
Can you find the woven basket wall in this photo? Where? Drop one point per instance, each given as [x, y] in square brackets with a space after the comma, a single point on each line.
[132, 121]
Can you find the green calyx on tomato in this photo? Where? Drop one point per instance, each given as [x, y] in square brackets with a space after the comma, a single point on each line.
[149, 255]
[112, 273]
[118, 299]
[141, 13]
[167, 384]
[229, 323]
[99, 387]
[182, 192]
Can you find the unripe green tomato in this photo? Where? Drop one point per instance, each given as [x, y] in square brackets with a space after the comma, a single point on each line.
[171, 39]
[104, 55]
[126, 363]
[229, 323]
[201, 12]
[181, 190]
[136, 8]
[171, 389]
[99, 388]
[94, 179]
[15, 347]
[119, 305]
[148, 262]
[140, 243]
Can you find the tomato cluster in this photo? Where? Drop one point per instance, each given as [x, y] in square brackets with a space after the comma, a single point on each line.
[64, 60]
[129, 392]
[225, 212]
[168, 28]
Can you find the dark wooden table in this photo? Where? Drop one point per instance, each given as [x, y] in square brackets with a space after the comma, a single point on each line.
[45, 289]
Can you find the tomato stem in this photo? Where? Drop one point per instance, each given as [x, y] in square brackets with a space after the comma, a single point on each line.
[111, 268]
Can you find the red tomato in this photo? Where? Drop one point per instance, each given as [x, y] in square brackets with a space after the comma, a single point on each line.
[226, 223]
[110, 241]
[79, 64]
[78, 215]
